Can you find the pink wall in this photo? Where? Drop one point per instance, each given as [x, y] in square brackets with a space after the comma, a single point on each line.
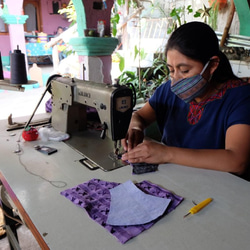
[5, 45]
[50, 24]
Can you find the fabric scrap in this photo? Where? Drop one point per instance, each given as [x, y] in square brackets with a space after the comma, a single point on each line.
[142, 168]
[94, 196]
[131, 206]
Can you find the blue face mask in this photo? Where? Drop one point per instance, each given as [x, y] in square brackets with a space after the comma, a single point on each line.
[189, 88]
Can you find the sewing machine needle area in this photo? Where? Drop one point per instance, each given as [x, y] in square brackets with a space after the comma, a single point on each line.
[96, 115]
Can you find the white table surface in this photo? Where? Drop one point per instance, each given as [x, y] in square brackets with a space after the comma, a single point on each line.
[224, 224]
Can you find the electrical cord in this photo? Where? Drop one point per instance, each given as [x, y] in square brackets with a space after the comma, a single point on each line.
[133, 91]
[19, 151]
[57, 184]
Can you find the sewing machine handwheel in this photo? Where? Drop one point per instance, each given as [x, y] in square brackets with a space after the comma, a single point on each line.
[49, 80]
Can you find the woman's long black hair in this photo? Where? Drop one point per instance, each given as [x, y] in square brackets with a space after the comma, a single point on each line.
[198, 41]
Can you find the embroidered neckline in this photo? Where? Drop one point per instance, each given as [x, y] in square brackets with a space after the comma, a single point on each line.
[196, 109]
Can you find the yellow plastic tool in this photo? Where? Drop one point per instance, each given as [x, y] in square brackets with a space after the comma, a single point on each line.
[198, 207]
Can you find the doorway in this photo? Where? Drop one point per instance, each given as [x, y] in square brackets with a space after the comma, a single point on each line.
[32, 8]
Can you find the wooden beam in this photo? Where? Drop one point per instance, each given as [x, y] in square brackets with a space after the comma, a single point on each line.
[228, 24]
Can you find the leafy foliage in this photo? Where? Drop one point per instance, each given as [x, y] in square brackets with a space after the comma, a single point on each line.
[70, 12]
[178, 13]
[151, 78]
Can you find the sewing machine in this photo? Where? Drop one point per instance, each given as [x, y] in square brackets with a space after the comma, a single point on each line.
[114, 104]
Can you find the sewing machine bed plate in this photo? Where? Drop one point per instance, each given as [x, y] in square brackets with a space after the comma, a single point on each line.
[89, 144]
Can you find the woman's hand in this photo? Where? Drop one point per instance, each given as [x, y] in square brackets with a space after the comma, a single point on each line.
[133, 138]
[148, 152]
[139, 121]
[234, 158]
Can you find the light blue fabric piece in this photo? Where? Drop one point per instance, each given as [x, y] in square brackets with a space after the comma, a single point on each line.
[130, 206]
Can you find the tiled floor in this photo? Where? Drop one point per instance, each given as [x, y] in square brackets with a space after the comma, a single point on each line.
[26, 240]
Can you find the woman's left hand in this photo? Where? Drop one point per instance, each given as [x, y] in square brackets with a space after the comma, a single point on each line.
[148, 152]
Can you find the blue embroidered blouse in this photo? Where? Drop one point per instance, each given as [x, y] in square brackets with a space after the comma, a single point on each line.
[201, 125]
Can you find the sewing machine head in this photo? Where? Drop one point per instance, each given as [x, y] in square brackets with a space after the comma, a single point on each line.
[71, 97]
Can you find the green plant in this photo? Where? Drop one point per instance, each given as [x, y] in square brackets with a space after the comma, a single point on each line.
[115, 14]
[212, 20]
[70, 12]
[139, 52]
[114, 21]
[145, 81]
[158, 72]
[155, 75]
[178, 14]
[157, 5]
[132, 77]
[121, 61]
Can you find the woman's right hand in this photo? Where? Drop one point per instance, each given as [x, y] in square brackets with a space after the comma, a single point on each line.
[134, 137]
[139, 121]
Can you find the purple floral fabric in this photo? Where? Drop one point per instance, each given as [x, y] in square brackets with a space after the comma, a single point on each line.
[48, 106]
[94, 197]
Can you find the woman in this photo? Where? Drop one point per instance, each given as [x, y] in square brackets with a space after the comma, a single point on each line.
[202, 113]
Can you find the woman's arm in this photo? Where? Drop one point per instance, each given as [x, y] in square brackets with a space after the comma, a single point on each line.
[139, 121]
[234, 158]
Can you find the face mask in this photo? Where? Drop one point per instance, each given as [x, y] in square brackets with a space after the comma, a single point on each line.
[189, 88]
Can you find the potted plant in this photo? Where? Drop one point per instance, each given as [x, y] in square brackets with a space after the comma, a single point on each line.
[145, 81]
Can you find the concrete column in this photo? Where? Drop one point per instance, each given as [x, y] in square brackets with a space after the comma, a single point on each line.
[15, 21]
[94, 52]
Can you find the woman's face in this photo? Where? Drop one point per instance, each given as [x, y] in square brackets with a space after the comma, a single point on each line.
[181, 66]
